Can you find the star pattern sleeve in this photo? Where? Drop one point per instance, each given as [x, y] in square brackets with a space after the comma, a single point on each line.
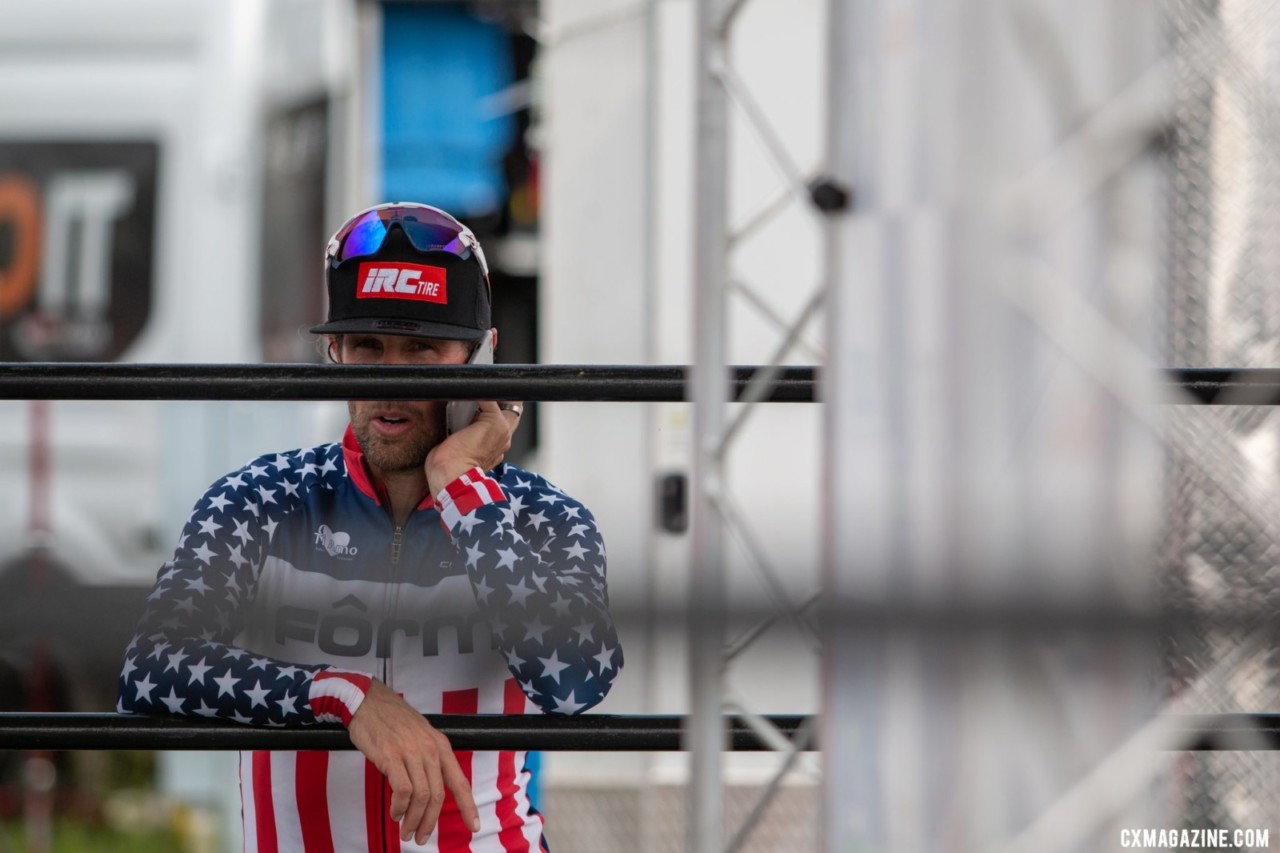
[182, 660]
[536, 563]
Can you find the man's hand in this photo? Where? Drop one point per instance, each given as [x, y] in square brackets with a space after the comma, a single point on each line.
[416, 759]
[481, 444]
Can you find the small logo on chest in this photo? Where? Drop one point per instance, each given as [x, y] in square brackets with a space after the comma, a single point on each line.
[335, 543]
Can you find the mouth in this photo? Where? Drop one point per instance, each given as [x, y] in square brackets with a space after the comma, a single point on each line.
[390, 422]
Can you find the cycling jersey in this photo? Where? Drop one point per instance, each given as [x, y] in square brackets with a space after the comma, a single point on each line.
[292, 585]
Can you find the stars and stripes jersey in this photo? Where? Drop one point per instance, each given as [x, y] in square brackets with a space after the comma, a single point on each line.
[291, 586]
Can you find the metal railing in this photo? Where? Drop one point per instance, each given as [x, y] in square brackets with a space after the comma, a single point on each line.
[583, 383]
[550, 383]
[585, 733]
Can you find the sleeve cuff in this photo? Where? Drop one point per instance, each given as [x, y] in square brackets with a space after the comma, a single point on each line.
[465, 495]
[336, 694]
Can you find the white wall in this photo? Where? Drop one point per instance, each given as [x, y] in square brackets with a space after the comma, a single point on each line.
[595, 306]
[610, 295]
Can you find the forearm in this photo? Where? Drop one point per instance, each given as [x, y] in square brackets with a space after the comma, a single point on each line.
[194, 677]
[536, 565]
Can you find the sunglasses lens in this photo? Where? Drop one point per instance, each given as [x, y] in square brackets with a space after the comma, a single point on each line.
[364, 237]
[428, 229]
[427, 235]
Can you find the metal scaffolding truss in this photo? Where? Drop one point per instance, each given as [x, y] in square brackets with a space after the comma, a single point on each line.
[715, 514]
[1099, 141]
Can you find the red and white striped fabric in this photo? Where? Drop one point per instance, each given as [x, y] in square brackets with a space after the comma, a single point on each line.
[324, 802]
[472, 490]
[336, 694]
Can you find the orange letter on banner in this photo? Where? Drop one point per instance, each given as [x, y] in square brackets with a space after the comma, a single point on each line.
[20, 208]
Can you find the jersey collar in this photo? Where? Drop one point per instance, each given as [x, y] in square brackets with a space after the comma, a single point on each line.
[353, 456]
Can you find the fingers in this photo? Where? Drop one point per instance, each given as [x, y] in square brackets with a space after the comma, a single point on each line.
[498, 440]
[481, 445]
[439, 769]
[419, 801]
[418, 790]
[401, 789]
[457, 783]
[416, 759]
[511, 410]
[435, 800]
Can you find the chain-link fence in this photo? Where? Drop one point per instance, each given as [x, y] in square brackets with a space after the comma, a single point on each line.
[1220, 552]
[583, 819]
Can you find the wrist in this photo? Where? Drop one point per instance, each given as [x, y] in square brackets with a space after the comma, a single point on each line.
[466, 493]
[441, 474]
[337, 694]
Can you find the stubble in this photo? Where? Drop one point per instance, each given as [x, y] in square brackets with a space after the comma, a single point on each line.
[402, 453]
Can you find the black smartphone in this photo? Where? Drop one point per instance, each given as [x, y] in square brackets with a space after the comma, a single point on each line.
[460, 413]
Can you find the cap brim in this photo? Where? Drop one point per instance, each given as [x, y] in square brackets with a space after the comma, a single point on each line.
[407, 328]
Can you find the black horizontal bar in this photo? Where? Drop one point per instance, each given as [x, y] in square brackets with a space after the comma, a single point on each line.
[1214, 386]
[585, 733]
[1225, 386]
[636, 383]
[1231, 732]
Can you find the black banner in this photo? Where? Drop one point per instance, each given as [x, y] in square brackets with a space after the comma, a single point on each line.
[77, 248]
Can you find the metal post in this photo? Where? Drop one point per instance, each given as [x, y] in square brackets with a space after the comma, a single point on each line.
[706, 580]
[649, 276]
[39, 774]
[935, 288]
[856, 508]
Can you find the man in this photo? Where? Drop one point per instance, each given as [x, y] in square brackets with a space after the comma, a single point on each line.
[403, 571]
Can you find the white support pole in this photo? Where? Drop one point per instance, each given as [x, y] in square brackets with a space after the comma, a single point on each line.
[951, 474]
[706, 626]
[856, 521]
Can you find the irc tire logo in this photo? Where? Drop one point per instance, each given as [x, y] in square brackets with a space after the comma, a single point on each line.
[417, 282]
[77, 224]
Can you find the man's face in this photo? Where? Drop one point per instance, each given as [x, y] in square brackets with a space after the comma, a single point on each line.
[396, 435]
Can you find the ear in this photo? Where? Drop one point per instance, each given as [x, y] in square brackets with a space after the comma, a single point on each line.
[494, 332]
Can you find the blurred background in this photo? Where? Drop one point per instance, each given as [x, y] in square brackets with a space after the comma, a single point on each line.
[169, 175]
[1051, 201]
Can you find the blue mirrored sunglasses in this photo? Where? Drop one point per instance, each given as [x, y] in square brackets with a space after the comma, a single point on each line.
[428, 228]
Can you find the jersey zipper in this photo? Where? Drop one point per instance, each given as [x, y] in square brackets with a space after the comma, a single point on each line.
[397, 543]
[390, 596]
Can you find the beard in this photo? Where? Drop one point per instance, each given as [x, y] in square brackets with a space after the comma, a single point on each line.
[402, 453]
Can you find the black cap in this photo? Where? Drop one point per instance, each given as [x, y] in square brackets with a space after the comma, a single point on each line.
[402, 290]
